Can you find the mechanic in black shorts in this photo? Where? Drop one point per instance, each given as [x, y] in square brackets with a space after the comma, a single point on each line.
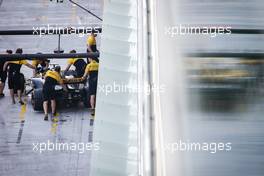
[3, 75]
[52, 78]
[16, 80]
[78, 63]
[92, 71]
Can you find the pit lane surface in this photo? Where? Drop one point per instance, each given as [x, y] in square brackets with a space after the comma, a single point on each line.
[22, 128]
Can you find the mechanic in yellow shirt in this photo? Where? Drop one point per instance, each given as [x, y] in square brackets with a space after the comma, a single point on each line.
[91, 72]
[52, 78]
[91, 45]
[78, 63]
[16, 80]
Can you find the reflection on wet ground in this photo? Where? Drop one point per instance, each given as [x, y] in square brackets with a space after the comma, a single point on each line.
[21, 128]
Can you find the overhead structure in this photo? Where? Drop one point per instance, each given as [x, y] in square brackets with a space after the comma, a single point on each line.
[10, 57]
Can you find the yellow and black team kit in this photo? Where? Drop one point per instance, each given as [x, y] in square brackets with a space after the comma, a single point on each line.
[16, 80]
[79, 64]
[3, 74]
[91, 41]
[92, 70]
[52, 78]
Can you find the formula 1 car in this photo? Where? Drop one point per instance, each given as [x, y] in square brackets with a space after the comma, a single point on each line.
[77, 92]
[223, 83]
